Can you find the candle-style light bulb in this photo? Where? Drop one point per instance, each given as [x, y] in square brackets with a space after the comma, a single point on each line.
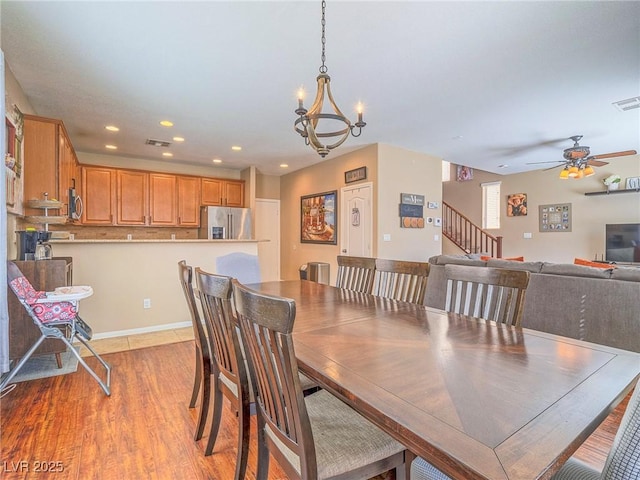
[359, 109]
[300, 97]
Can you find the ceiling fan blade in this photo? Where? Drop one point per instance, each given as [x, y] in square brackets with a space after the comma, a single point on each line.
[551, 161]
[612, 155]
[596, 163]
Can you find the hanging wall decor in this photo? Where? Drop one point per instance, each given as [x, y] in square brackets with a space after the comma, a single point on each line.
[555, 217]
[517, 205]
[318, 218]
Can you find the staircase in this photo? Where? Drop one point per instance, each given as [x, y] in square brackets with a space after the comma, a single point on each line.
[467, 235]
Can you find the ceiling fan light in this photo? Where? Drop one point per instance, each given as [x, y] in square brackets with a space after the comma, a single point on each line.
[580, 174]
[564, 174]
[588, 171]
[573, 171]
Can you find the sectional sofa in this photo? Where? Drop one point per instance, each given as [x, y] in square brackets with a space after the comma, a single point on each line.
[586, 303]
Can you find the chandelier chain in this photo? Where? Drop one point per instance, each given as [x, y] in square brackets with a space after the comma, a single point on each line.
[323, 67]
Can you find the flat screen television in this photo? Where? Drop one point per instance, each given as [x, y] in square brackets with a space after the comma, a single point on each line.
[622, 242]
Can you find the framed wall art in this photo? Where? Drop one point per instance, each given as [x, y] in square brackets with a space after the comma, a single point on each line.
[355, 175]
[517, 205]
[464, 174]
[555, 217]
[13, 161]
[318, 214]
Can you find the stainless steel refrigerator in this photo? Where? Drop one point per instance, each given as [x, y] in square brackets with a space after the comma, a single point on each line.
[219, 223]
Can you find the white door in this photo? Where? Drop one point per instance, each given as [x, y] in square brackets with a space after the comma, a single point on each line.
[356, 213]
[268, 228]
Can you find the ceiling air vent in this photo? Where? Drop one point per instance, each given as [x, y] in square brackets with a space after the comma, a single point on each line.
[157, 143]
[628, 104]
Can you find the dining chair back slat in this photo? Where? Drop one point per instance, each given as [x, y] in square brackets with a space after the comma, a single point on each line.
[401, 280]
[356, 273]
[491, 293]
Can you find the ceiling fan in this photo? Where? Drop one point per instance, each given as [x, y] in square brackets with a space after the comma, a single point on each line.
[577, 161]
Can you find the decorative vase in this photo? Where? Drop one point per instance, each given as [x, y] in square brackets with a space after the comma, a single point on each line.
[613, 186]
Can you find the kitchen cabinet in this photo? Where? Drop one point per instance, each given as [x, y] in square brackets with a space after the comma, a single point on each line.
[98, 193]
[132, 194]
[44, 275]
[50, 162]
[163, 205]
[217, 191]
[188, 201]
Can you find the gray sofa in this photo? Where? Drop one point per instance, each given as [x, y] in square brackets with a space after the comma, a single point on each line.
[586, 303]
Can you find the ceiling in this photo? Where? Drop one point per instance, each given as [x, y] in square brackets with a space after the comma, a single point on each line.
[481, 84]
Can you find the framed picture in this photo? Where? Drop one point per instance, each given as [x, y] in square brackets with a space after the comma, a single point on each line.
[633, 183]
[517, 205]
[355, 175]
[464, 173]
[554, 218]
[318, 215]
[13, 162]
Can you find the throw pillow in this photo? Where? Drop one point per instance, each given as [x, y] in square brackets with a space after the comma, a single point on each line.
[589, 263]
[513, 259]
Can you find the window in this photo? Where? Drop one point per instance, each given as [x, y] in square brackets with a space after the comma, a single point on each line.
[446, 171]
[490, 205]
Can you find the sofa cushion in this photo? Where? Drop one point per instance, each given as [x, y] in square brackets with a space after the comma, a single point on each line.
[459, 260]
[629, 274]
[575, 270]
[533, 267]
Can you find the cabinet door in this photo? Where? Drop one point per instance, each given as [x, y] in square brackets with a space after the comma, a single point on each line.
[163, 204]
[211, 191]
[188, 201]
[98, 195]
[234, 193]
[40, 160]
[132, 189]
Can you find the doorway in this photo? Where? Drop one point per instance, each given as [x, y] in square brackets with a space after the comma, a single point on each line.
[268, 228]
[356, 220]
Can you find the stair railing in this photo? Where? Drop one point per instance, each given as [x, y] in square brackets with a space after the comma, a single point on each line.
[468, 236]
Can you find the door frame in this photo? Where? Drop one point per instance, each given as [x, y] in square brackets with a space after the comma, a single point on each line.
[278, 239]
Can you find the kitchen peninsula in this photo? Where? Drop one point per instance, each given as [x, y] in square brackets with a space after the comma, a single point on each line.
[123, 273]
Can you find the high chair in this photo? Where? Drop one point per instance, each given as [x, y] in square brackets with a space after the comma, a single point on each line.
[56, 315]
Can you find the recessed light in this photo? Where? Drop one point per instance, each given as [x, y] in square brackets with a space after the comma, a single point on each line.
[167, 154]
[111, 147]
[112, 128]
[283, 165]
[178, 139]
[236, 148]
[217, 160]
[166, 123]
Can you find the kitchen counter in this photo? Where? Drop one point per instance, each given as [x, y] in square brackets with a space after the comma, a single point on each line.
[142, 240]
[125, 273]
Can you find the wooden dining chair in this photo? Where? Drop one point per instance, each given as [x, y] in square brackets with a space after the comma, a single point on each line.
[204, 362]
[230, 376]
[401, 280]
[312, 437]
[484, 292]
[356, 273]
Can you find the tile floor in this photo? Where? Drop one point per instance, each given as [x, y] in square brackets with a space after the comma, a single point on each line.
[132, 342]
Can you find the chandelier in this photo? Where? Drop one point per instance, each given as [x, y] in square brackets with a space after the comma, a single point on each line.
[308, 122]
[577, 158]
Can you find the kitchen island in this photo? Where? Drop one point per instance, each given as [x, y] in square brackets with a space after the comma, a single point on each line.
[124, 273]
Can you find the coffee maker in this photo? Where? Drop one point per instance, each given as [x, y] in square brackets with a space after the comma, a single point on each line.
[33, 245]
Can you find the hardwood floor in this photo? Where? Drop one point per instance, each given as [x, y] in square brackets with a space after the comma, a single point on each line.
[144, 430]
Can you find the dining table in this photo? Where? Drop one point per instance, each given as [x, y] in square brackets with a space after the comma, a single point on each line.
[477, 399]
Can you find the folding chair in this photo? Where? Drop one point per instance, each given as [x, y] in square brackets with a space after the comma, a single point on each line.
[56, 315]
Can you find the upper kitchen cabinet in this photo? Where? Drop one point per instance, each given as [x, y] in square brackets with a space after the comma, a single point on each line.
[163, 204]
[99, 193]
[188, 201]
[132, 193]
[228, 193]
[51, 165]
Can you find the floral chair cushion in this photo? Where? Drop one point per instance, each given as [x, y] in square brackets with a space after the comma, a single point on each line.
[46, 311]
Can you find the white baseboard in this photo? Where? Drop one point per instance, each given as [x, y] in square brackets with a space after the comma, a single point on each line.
[137, 331]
